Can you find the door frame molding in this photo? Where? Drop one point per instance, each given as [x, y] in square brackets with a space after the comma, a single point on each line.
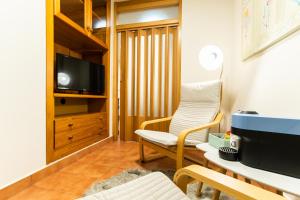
[115, 73]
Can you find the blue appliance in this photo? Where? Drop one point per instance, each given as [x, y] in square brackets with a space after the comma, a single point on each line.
[268, 143]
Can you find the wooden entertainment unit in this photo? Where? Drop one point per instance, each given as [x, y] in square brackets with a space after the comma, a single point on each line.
[75, 121]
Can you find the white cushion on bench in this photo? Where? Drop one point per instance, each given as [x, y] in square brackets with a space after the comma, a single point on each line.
[154, 186]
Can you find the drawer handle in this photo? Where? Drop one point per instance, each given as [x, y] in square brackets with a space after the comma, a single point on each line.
[70, 125]
[70, 137]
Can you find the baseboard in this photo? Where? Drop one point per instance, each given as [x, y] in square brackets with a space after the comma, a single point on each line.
[20, 185]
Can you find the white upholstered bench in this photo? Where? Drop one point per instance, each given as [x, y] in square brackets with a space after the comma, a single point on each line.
[157, 186]
[154, 186]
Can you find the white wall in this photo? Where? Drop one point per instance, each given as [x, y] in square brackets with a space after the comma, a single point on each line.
[22, 80]
[268, 83]
[205, 22]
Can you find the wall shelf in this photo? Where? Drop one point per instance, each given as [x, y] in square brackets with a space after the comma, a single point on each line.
[79, 96]
[70, 34]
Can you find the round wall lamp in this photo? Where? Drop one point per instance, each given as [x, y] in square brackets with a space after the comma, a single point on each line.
[211, 57]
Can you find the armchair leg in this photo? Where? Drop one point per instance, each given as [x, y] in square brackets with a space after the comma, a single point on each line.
[199, 189]
[180, 158]
[217, 193]
[141, 150]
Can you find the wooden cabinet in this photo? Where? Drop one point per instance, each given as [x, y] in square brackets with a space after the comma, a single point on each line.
[73, 129]
[73, 21]
[70, 25]
[73, 9]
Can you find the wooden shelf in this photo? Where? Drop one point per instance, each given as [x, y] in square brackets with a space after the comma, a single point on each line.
[70, 34]
[79, 96]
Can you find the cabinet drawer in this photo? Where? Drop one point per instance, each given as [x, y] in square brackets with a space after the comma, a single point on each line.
[86, 121]
[62, 139]
[63, 124]
[101, 123]
[76, 128]
[84, 132]
[65, 138]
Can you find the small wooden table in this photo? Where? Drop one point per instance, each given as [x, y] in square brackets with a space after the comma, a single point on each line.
[280, 182]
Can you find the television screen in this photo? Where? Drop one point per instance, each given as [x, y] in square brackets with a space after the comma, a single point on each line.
[79, 76]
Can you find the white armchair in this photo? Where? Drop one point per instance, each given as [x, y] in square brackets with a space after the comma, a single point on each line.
[197, 112]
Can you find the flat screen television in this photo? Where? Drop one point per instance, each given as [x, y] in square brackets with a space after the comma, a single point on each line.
[74, 75]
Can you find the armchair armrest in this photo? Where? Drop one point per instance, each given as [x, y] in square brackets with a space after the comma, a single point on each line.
[146, 123]
[227, 184]
[185, 133]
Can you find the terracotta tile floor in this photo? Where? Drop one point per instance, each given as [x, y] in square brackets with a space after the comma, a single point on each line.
[73, 180]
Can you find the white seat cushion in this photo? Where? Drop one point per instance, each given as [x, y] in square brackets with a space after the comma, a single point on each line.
[164, 138]
[154, 186]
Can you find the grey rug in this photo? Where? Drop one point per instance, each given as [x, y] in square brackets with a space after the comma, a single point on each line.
[131, 174]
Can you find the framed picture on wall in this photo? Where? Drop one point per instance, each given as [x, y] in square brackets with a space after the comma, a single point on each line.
[266, 22]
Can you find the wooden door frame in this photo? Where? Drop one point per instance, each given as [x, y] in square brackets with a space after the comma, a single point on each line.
[144, 4]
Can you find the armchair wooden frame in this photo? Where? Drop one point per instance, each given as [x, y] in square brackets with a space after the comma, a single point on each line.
[221, 182]
[174, 152]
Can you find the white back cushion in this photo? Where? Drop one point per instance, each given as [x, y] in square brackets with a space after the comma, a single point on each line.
[200, 102]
